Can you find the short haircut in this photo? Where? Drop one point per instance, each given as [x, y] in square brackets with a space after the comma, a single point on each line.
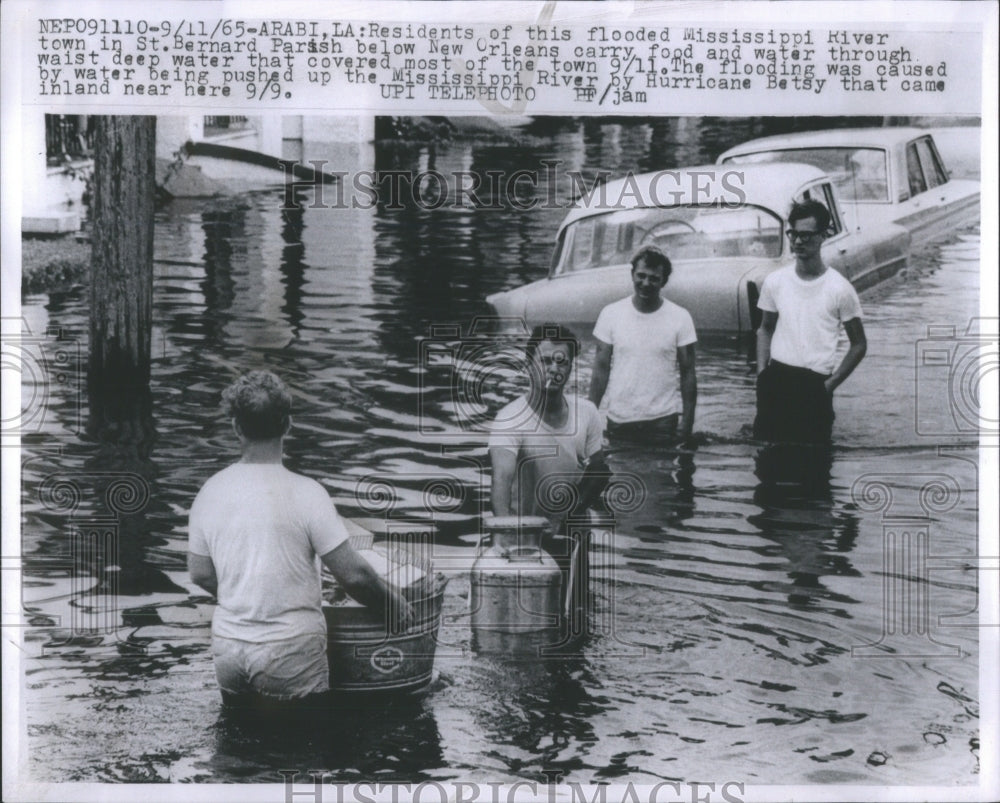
[555, 333]
[813, 209]
[654, 257]
[260, 403]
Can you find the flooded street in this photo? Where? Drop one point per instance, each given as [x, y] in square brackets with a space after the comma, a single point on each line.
[749, 632]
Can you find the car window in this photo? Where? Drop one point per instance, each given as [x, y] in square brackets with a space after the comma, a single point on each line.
[830, 202]
[683, 232]
[914, 174]
[931, 164]
[581, 240]
[860, 175]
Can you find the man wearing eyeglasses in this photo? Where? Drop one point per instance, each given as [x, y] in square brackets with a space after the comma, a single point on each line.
[804, 306]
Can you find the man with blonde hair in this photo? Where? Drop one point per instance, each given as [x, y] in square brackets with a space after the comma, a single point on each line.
[256, 538]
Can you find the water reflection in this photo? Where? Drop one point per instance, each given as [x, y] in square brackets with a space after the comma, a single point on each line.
[120, 470]
[799, 513]
[538, 712]
[392, 741]
[293, 266]
[220, 226]
[653, 486]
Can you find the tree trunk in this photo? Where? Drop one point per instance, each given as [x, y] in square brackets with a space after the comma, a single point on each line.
[121, 286]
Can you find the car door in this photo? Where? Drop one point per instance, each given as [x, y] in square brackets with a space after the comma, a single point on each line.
[928, 199]
[937, 201]
[917, 209]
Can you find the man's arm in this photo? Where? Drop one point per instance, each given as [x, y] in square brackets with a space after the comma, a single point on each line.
[365, 585]
[601, 372]
[594, 480]
[202, 572]
[504, 463]
[764, 334]
[689, 388]
[855, 354]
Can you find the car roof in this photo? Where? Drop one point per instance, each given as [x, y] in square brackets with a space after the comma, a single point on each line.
[771, 186]
[830, 138]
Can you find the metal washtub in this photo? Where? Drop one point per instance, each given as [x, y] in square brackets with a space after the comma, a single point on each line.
[364, 656]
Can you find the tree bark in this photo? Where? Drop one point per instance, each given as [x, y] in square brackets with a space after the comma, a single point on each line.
[121, 286]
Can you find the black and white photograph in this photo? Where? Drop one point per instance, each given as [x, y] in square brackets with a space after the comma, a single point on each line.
[585, 402]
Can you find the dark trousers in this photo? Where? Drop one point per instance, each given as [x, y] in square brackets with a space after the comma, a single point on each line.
[793, 406]
[654, 431]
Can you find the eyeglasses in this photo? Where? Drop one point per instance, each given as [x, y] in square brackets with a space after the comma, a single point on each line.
[792, 234]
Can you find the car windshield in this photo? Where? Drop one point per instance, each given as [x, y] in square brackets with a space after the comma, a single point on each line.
[682, 232]
[859, 174]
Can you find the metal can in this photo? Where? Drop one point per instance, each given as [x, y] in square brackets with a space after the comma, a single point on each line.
[516, 585]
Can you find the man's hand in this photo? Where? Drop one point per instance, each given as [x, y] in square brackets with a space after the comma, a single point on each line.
[369, 588]
[855, 353]
[402, 615]
[592, 483]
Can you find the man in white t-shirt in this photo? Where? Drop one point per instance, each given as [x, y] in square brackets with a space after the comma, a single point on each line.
[645, 365]
[804, 306]
[541, 444]
[546, 438]
[257, 534]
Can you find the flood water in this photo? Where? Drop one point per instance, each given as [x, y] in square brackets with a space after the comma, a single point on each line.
[754, 632]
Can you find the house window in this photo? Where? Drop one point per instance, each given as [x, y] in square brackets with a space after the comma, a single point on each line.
[215, 124]
[68, 137]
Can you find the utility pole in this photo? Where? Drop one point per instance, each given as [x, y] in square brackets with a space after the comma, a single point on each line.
[121, 285]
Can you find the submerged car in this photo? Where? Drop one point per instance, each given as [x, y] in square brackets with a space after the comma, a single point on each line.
[883, 176]
[724, 231]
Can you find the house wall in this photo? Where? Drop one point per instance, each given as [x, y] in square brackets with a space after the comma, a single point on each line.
[52, 197]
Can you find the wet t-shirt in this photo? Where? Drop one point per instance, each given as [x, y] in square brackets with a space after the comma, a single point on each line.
[549, 459]
[264, 527]
[810, 314]
[644, 382]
